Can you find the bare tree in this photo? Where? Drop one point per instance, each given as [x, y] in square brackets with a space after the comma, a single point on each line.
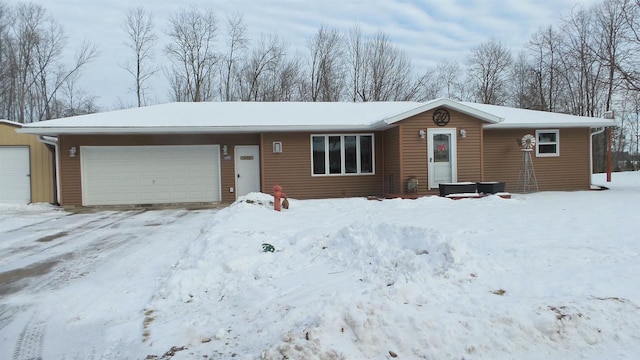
[629, 67]
[611, 25]
[192, 55]
[583, 74]
[282, 83]
[523, 84]
[33, 74]
[356, 63]
[545, 49]
[448, 74]
[488, 67]
[236, 45]
[262, 62]
[74, 101]
[379, 71]
[325, 68]
[63, 75]
[139, 28]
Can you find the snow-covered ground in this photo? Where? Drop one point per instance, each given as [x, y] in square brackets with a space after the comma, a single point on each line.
[548, 275]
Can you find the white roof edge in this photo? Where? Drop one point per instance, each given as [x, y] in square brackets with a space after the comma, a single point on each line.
[446, 103]
[594, 124]
[188, 130]
[9, 122]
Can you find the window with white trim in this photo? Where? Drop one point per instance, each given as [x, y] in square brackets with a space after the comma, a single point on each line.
[344, 154]
[547, 142]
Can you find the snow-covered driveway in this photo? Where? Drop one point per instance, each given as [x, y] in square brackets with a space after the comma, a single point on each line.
[77, 284]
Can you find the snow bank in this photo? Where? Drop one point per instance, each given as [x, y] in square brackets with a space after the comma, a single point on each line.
[419, 279]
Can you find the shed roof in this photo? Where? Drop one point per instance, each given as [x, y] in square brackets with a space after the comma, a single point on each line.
[11, 123]
[238, 117]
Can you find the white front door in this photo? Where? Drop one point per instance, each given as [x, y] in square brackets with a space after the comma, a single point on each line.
[15, 175]
[442, 156]
[247, 169]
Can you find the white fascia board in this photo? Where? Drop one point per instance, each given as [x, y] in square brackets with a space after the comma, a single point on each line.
[186, 130]
[451, 104]
[590, 124]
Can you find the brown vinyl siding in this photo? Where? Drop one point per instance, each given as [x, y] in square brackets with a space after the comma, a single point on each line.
[392, 168]
[70, 176]
[503, 160]
[41, 162]
[414, 149]
[291, 169]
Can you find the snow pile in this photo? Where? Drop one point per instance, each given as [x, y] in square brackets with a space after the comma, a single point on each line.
[428, 278]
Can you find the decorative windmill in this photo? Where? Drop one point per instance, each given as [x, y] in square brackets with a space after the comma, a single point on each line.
[527, 180]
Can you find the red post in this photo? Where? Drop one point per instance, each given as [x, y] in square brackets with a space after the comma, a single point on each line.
[277, 196]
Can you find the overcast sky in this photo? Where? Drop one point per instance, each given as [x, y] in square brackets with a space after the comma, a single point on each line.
[428, 30]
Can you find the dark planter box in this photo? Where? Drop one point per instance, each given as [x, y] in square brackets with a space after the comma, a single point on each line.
[457, 188]
[490, 187]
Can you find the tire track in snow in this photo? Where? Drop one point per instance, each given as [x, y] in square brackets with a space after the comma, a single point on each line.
[31, 340]
[7, 313]
[73, 231]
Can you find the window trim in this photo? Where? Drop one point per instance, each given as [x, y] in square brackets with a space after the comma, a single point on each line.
[556, 143]
[343, 154]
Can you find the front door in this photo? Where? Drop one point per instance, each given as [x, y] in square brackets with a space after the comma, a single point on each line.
[442, 156]
[247, 169]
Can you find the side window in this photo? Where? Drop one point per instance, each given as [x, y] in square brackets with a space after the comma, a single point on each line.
[547, 143]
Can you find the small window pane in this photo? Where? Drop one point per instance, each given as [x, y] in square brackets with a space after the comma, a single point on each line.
[318, 155]
[547, 149]
[350, 155]
[366, 154]
[441, 148]
[547, 137]
[335, 158]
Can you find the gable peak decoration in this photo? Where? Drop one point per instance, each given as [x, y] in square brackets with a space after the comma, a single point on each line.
[441, 117]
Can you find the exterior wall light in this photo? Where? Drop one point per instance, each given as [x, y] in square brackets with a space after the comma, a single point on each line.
[463, 133]
[277, 147]
[423, 134]
[72, 151]
[225, 150]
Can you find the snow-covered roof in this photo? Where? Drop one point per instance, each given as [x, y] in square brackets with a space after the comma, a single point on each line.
[244, 117]
[514, 118]
[12, 123]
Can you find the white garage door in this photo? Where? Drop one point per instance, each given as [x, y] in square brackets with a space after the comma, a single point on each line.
[15, 181]
[119, 175]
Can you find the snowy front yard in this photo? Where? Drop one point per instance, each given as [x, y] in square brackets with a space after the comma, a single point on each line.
[549, 275]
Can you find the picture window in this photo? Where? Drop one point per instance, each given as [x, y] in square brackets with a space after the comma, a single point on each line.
[348, 154]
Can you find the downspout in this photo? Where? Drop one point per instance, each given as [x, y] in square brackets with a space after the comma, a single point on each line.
[596, 132]
[53, 141]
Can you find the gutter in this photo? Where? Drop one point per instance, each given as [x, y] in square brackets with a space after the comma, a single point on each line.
[53, 141]
[596, 132]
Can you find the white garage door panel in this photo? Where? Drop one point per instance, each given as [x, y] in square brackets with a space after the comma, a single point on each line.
[15, 182]
[113, 175]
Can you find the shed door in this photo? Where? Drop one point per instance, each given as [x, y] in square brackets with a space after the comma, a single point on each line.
[15, 175]
[442, 157]
[118, 175]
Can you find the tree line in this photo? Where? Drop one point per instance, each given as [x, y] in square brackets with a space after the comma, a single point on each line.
[588, 63]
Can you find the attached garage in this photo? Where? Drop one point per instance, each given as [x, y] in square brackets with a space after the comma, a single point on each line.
[128, 175]
[15, 184]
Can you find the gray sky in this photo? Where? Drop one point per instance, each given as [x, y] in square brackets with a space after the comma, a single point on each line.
[428, 30]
